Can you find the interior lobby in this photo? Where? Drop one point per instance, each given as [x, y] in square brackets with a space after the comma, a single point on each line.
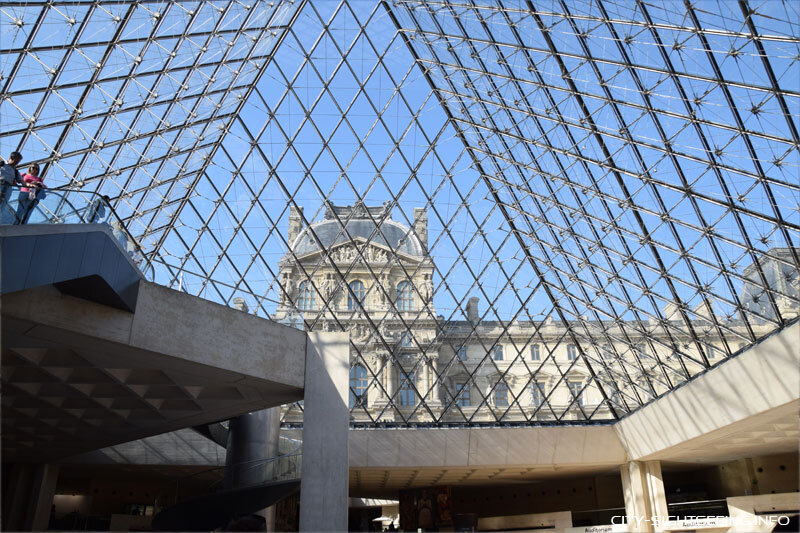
[400, 265]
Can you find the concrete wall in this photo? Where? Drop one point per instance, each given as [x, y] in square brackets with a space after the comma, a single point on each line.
[773, 474]
[574, 494]
[206, 330]
[577, 445]
[110, 488]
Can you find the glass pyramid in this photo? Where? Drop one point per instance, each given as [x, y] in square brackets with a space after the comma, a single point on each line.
[524, 213]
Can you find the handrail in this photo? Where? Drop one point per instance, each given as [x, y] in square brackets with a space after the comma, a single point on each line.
[292, 459]
[58, 206]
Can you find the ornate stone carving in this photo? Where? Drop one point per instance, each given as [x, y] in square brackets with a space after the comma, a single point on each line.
[387, 334]
[427, 288]
[359, 333]
[329, 286]
[329, 325]
[344, 254]
[288, 288]
[384, 292]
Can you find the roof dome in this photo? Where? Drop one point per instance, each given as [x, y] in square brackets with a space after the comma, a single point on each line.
[329, 231]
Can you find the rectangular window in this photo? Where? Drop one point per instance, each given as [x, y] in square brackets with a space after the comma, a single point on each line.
[462, 394]
[711, 353]
[498, 353]
[572, 352]
[462, 352]
[575, 388]
[407, 396]
[641, 350]
[501, 395]
[536, 355]
[607, 352]
[537, 393]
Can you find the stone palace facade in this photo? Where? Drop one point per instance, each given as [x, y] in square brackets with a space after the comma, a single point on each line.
[358, 270]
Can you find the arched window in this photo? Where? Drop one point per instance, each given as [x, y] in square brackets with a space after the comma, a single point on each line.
[405, 296]
[407, 394]
[355, 298]
[405, 339]
[462, 352]
[358, 386]
[501, 394]
[305, 300]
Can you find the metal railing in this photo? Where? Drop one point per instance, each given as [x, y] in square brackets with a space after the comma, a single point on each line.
[280, 468]
[288, 464]
[70, 206]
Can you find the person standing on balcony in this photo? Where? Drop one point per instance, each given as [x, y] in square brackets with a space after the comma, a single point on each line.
[30, 195]
[9, 175]
[96, 212]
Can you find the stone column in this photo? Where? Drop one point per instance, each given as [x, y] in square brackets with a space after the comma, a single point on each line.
[380, 393]
[326, 422]
[424, 384]
[645, 499]
[389, 378]
[434, 399]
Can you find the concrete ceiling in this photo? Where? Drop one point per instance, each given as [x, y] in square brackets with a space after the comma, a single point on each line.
[769, 433]
[67, 390]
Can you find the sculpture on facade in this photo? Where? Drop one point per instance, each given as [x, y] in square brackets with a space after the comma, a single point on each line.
[427, 289]
[288, 289]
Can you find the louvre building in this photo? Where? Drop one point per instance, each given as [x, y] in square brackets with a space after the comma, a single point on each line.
[440, 265]
[359, 271]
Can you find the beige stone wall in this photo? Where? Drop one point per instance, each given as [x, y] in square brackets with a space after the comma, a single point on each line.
[773, 474]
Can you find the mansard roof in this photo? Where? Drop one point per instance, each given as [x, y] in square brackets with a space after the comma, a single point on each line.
[346, 223]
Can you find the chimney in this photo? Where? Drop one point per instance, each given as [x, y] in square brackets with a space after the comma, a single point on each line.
[240, 304]
[472, 310]
[295, 223]
[421, 226]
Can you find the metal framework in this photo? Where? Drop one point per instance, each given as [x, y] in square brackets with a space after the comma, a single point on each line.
[619, 177]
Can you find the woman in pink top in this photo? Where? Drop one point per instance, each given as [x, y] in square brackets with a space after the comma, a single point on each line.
[30, 195]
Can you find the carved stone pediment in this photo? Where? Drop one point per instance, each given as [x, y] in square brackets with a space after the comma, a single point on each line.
[360, 333]
[349, 251]
[345, 253]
